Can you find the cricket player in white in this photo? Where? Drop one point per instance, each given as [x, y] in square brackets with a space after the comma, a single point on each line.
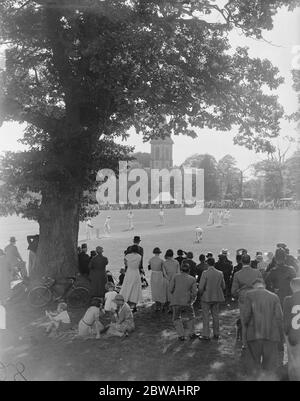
[199, 234]
[226, 216]
[89, 228]
[220, 218]
[130, 220]
[107, 226]
[162, 216]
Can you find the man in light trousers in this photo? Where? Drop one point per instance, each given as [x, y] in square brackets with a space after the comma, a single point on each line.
[183, 288]
[211, 289]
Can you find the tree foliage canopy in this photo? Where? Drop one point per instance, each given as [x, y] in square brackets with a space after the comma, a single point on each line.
[211, 178]
[80, 71]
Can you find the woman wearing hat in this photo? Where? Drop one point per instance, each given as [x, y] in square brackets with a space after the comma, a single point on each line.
[158, 282]
[122, 321]
[170, 268]
[132, 286]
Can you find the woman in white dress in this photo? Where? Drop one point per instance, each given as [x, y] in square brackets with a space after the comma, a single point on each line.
[132, 286]
[90, 325]
[170, 268]
[158, 282]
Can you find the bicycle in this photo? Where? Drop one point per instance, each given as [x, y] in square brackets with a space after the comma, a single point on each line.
[75, 296]
[19, 285]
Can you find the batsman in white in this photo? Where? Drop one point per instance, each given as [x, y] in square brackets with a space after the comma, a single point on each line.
[107, 226]
[130, 220]
[161, 216]
[226, 216]
[199, 234]
[210, 221]
[88, 229]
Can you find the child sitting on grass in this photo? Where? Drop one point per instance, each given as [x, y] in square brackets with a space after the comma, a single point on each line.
[110, 295]
[59, 320]
[122, 320]
[90, 324]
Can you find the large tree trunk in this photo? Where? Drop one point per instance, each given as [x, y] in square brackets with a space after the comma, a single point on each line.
[59, 225]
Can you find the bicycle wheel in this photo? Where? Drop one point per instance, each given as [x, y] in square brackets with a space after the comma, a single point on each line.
[39, 296]
[78, 297]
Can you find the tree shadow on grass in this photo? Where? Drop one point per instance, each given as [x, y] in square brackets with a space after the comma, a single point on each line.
[151, 352]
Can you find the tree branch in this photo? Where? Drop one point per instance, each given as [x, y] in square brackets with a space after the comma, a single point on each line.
[23, 5]
[13, 108]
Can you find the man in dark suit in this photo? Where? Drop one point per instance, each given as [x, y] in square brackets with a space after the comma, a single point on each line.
[180, 256]
[263, 320]
[83, 261]
[14, 259]
[201, 267]
[291, 261]
[97, 273]
[192, 265]
[279, 278]
[226, 267]
[33, 242]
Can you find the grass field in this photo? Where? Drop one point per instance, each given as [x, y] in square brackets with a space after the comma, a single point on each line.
[255, 230]
[152, 352]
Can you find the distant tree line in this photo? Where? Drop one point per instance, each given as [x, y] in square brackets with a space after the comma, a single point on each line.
[275, 177]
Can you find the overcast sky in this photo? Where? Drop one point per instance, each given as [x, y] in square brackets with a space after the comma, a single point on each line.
[285, 36]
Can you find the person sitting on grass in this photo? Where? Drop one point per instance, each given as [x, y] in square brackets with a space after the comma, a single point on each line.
[59, 320]
[122, 320]
[90, 325]
[109, 297]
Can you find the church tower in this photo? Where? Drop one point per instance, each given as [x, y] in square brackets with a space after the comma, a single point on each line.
[161, 153]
